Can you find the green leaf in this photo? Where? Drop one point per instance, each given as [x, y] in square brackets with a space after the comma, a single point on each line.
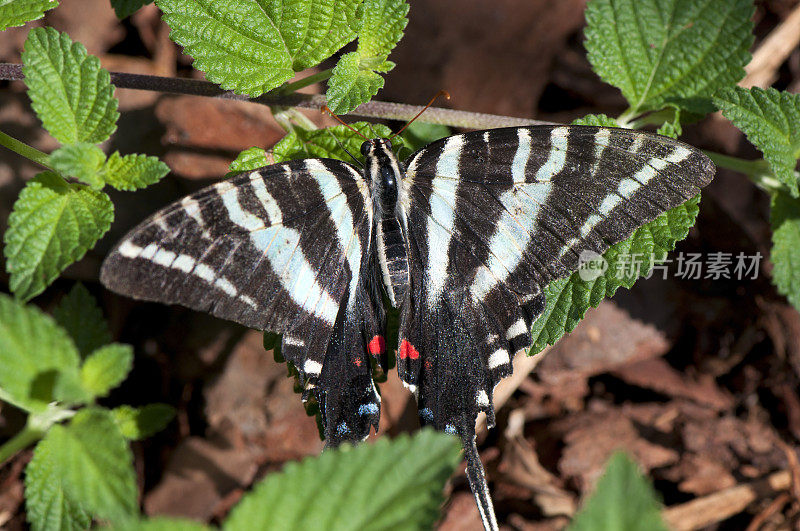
[18, 12]
[327, 143]
[47, 506]
[350, 86]
[364, 487]
[35, 353]
[126, 8]
[142, 422]
[163, 523]
[660, 52]
[785, 255]
[420, 134]
[248, 160]
[598, 120]
[91, 462]
[71, 94]
[80, 316]
[381, 28]
[569, 298]
[252, 46]
[131, 172]
[81, 161]
[355, 79]
[623, 499]
[106, 368]
[771, 121]
[53, 224]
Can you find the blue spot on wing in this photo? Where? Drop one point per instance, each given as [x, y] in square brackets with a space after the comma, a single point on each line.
[368, 409]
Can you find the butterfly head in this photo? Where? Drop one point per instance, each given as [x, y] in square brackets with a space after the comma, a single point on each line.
[370, 146]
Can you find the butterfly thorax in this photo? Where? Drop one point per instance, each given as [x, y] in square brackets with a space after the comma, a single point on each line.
[383, 171]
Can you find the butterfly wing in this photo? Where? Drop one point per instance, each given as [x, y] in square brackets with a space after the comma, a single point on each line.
[285, 249]
[493, 217]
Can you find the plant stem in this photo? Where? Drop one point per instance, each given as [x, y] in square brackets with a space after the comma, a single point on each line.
[25, 150]
[758, 171]
[372, 109]
[18, 442]
[306, 81]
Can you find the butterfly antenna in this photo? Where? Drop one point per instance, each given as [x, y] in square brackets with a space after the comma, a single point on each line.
[477, 480]
[339, 143]
[325, 109]
[438, 95]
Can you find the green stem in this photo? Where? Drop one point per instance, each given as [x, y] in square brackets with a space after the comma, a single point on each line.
[624, 119]
[19, 442]
[306, 81]
[758, 171]
[25, 150]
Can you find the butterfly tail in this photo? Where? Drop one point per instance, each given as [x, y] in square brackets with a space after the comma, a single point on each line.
[477, 480]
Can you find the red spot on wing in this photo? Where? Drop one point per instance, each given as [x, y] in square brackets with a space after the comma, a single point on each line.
[357, 361]
[407, 350]
[377, 346]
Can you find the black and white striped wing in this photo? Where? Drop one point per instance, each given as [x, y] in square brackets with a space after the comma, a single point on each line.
[493, 217]
[284, 249]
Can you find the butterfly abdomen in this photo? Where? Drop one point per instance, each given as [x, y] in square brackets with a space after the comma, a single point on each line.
[392, 258]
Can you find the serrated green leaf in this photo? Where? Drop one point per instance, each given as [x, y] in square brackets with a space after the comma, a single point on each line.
[771, 121]
[81, 161]
[126, 8]
[598, 120]
[355, 79]
[381, 28]
[362, 486]
[248, 160]
[660, 52]
[79, 314]
[71, 94]
[142, 422]
[18, 12]
[785, 254]
[670, 129]
[623, 500]
[163, 524]
[35, 353]
[47, 506]
[131, 172]
[93, 464]
[105, 368]
[252, 46]
[53, 224]
[569, 298]
[350, 85]
[327, 143]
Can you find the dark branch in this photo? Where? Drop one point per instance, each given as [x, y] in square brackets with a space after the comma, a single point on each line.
[372, 109]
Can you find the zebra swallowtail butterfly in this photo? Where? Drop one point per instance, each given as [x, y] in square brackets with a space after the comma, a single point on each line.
[462, 237]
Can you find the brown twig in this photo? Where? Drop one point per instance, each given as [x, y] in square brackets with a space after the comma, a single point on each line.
[721, 505]
[372, 109]
[773, 51]
[771, 509]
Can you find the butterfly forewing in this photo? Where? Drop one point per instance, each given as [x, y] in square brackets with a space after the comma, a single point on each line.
[494, 216]
[283, 249]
